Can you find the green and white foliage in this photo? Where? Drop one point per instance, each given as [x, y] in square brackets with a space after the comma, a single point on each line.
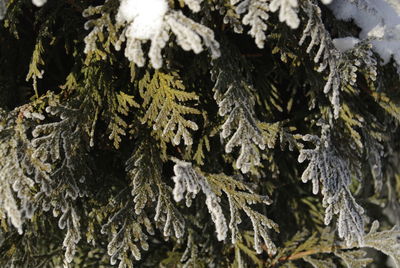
[124, 230]
[343, 62]
[61, 145]
[375, 154]
[385, 241]
[44, 169]
[188, 180]
[146, 162]
[191, 181]
[166, 133]
[190, 35]
[9, 147]
[163, 94]
[18, 195]
[328, 169]
[256, 15]
[350, 255]
[233, 94]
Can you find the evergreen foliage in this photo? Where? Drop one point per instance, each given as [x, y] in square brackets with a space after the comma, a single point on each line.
[161, 133]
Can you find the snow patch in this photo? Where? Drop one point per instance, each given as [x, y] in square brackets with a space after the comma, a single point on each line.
[379, 20]
[146, 17]
[345, 43]
[39, 3]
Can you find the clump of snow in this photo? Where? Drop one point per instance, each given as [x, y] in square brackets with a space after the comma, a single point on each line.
[395, 4]
[345, 43]
[146, 17]
[287, 11]
[379, 20]
[377, 32]
[39, 3]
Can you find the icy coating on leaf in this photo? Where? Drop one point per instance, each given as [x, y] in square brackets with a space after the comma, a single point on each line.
[256, 15]
[85, 170]
[385, 241]
[333, 55]
[328, 168]
[188, 180]
[232, 92]
[191, 181]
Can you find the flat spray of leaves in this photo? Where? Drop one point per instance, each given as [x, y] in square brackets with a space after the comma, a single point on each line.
[233, 93]
[125, 233]
[61, 145]
[191, 181]
[144, 168]
[387, 241]
[328, 169]
[148, 192]
[164, 98]
[11, 169]
[320, 251]
[343, 65]
[256, 15]
[22, 175]
[45, 158]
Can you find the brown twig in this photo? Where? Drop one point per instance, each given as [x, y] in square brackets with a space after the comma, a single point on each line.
[302, 254]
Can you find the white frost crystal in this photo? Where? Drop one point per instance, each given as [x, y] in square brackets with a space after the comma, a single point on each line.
[145, 17]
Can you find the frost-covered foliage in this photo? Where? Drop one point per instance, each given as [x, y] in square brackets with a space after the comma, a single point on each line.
[349, 255]
[168, 218]
[342, 57]
[59, 145]
[150, 20]
[257, 15]
[385, 241]
[232, 92]
[189, 180]
[287, 11]
[167, 133]
[328, 169]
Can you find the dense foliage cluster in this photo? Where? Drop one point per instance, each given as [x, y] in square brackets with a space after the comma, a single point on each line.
[191, 133]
